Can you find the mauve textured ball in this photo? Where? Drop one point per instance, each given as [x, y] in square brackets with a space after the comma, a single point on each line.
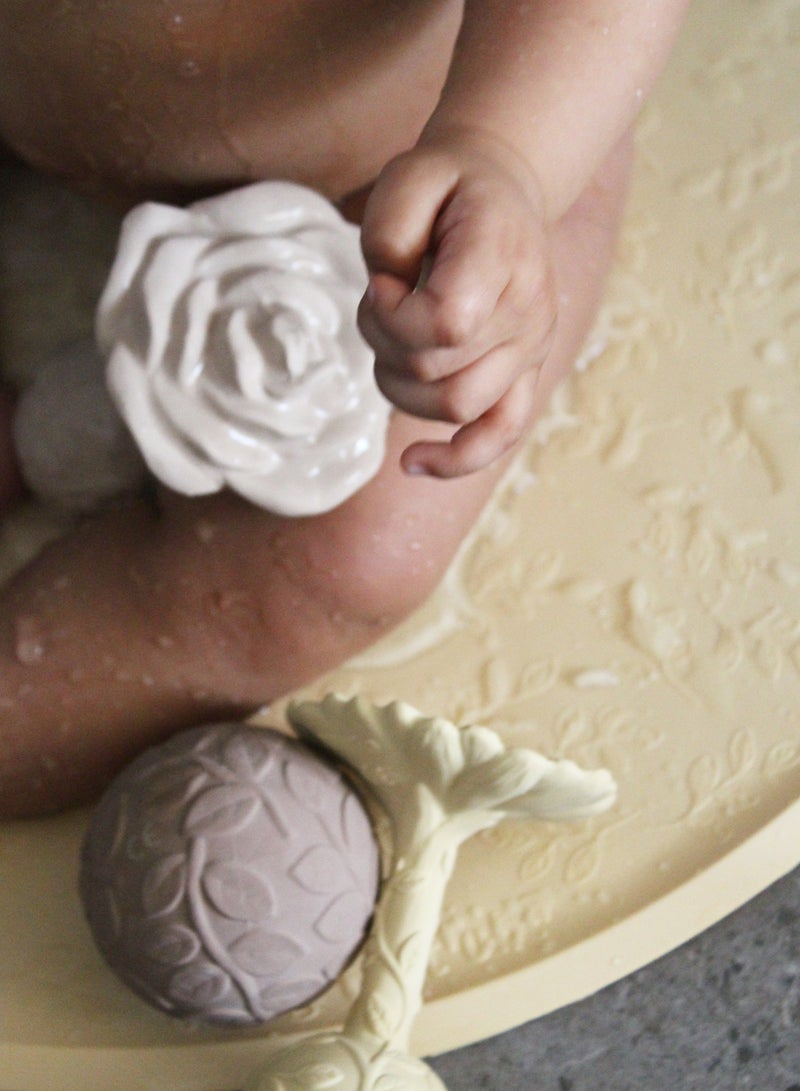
[229, 874]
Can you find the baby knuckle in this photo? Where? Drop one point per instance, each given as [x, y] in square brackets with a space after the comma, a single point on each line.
[458, 403]
[423, 367]
[536, 284]
[512, 416]
[454, 322]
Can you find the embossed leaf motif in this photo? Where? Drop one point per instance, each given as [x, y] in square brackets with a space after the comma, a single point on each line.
[412, 953]
[174, 787]
[306, 785]
[246, 759]
[379, 1018]
[540, 676]
[238, 892]
[264, 953]
[199, 985]
[390, 1081]
[164, 885]
[336, 923]
[172, 945]
[583, 863]
[730, 649]
[780, 757]
[320, 1077]
[742, 751]
[225, 808]
[700, 552]
[496, 682]
[769, 657]
[407, 880]
[318, 870]
[703, 777]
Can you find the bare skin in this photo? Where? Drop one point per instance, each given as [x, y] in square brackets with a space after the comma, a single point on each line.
[164, 614]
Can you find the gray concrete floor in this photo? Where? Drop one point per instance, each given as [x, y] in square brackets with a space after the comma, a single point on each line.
[721, 1013]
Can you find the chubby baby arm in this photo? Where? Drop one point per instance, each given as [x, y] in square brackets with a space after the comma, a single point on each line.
[462, 302]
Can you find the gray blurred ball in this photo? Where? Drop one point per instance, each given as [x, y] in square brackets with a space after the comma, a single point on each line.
[229, 875]
[73, 448]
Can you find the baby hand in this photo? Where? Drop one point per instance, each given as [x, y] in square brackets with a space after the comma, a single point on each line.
[461, 304]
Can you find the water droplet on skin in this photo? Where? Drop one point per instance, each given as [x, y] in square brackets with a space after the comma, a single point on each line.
[205, 531]
[189, 68]
[30, 646]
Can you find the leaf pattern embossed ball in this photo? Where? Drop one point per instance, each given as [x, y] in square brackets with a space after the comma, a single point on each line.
[229, 875]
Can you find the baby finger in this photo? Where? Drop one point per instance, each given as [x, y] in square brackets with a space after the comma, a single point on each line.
[478, 444]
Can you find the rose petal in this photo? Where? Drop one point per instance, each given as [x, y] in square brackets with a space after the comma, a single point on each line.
[143, 224]
[266, 208]
[166, 454]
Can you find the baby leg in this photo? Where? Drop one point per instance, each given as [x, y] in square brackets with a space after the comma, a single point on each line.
[157, 616]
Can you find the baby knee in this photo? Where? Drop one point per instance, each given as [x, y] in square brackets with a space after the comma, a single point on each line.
[262, 604]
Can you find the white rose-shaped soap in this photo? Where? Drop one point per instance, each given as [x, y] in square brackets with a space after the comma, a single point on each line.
[233, 351]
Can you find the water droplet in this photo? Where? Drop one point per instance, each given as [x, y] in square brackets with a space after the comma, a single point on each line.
[189, 68]
[30, 644]
[205, 531]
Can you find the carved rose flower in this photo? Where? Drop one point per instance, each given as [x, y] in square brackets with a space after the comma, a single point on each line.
[233, 353]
